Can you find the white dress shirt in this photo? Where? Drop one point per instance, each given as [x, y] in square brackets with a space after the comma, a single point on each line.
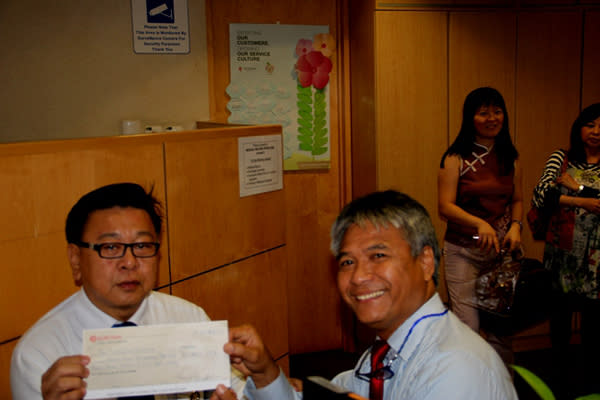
[59, 333]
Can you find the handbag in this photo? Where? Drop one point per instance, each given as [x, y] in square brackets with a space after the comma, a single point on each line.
[496, 284]
[513, 295]
[538, 219]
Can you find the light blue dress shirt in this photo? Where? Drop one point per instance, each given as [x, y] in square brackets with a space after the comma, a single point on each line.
[442, 359]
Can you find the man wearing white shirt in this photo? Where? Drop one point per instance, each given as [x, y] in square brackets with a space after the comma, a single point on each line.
[113, 236]
[387, 254]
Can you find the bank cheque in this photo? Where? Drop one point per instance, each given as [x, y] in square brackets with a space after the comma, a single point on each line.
[156, 359]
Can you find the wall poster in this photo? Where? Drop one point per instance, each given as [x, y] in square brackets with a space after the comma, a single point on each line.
[279, 74]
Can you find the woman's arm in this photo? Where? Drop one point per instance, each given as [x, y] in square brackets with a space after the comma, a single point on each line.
[546, 187]
[513, 236]
[589, 204]
[585, 197]
[447, 186]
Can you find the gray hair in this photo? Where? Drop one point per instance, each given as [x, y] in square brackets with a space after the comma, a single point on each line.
[383, 209]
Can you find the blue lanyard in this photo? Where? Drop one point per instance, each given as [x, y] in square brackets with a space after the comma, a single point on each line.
[410, 331]
[415, 324]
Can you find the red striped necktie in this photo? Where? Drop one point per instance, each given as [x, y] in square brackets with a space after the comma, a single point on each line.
[378, 352]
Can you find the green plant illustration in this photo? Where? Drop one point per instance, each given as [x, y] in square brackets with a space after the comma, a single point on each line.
[312, 122]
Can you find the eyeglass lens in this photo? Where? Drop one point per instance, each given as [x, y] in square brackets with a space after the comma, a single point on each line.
[117, 250]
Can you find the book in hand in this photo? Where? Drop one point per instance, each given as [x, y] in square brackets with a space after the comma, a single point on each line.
[319, 388]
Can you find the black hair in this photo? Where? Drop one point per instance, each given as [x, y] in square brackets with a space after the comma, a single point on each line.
[577, 149]
[463, 144]
[109, 196]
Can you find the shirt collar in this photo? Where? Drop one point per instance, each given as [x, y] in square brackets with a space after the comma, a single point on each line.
[107, 320]
[138, 316]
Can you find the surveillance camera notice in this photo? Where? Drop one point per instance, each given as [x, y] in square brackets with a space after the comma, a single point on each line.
[260, 164]
[160, 26]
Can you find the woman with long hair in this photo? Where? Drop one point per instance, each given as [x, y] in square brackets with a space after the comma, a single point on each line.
[570, 184]
[480, 196]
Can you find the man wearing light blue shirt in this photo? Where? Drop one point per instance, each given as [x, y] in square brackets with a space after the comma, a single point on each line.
[388, 256]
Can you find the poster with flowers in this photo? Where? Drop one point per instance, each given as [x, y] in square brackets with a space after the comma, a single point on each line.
[279, 74]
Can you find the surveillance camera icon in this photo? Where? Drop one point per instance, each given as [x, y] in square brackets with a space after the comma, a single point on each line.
[161, 10]
[158, 10]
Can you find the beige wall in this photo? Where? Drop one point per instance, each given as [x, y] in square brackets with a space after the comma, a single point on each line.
[69, 70]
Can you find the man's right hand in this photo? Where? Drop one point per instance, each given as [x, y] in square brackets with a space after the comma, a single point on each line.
[249, 355]
[64, 379]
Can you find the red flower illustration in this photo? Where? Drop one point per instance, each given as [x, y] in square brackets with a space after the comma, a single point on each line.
[313, 68]
[324, 43]
[303, 47]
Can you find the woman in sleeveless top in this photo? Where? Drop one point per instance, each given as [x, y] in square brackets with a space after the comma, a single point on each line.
[480, 196]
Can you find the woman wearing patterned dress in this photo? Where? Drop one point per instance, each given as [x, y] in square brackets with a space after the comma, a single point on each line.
[572, 250]
[480, 195]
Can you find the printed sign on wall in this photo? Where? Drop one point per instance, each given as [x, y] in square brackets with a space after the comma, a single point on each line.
[259, 160]
[280, 75]
[160, 26]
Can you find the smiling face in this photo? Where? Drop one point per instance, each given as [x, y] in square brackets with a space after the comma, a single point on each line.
[488, 121]
[115, 286]
[379, 278]
[590, 135]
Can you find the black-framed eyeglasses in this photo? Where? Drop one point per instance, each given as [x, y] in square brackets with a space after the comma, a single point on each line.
[384, 372]
[117, 249]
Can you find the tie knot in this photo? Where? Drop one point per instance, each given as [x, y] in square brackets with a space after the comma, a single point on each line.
[124, 324]
[378, 352]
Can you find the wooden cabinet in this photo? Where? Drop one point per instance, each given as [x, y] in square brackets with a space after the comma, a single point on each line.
[411, 98]
[548, 90]
[591, 58]
[412, 4]
[482, 48]
[456, 4]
